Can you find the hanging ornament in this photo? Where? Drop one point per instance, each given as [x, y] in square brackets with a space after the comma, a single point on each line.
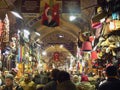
[114, 25]
[91, 38]
[94, 55]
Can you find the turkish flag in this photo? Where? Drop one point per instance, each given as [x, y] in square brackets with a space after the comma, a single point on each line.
[56, 56]
[50, 16]
[55, 14]
[44, 16]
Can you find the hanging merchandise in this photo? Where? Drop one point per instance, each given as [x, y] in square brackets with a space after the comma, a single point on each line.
[101, 14]
[118, 54]
[114, 25]
[115, 16]
[21, 53]
[1, 27]
[91, 39]
[86, 56]
[94, 55]
[5, 34]
[50, 16]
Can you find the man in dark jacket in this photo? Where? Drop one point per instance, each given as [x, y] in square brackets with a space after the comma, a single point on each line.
[112, 82]
[64, 82]
[52, 85]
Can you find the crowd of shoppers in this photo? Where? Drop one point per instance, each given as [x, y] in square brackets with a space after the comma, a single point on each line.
[59, 80]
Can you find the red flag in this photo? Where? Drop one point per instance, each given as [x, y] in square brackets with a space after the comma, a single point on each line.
[44, 16]
[56, 56]
[55, 14]
[50, 16]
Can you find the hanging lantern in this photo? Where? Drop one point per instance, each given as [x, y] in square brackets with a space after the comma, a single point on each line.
[86, 46]
[94, 55]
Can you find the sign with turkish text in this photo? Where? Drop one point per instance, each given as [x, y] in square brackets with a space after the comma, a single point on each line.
[30, 6]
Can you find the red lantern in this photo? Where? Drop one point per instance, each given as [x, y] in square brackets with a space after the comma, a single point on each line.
[56, 56]
[86, 46]
[94, 55]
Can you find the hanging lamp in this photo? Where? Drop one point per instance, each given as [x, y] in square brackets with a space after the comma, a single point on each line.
[86, 46]
[94, 55]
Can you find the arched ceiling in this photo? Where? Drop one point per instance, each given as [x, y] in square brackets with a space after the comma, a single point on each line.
[67, 28]
[70, 30]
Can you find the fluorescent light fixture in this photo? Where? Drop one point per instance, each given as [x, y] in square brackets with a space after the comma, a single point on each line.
[37, 33]
[44, 53]
[72, 18]
[61, 46]
[16, 14]
[61, 36]
[102, 20]
[26, 33]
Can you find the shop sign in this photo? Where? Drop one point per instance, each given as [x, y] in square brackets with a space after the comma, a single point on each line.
[30, 6]
[34, 21]
[30, 14]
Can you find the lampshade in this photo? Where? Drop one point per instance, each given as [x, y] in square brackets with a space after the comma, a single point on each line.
[87, 46]
[94, 55]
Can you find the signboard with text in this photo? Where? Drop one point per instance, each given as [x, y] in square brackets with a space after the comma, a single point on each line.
[30, 6]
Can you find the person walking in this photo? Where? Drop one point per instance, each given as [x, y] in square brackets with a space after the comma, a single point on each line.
[52, 85]
[27, 83]
[9, 83]
[64, 82]
[112, 82]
